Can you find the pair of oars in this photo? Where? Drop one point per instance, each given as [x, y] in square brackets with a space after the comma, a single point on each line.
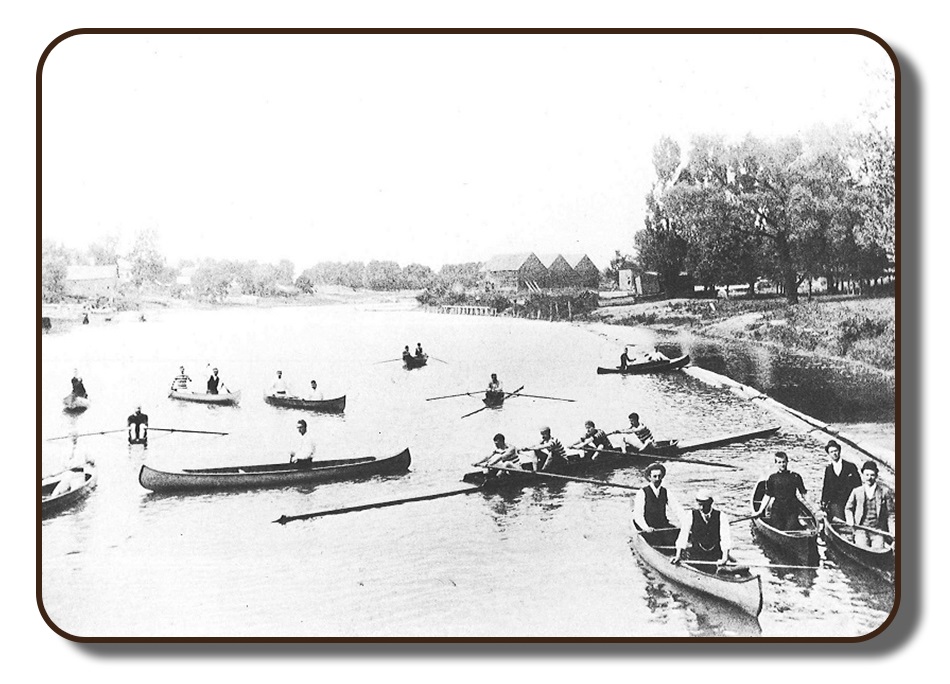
[673, 459]
[151, 429]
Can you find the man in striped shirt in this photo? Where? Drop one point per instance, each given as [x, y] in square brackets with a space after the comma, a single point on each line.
[549, 452]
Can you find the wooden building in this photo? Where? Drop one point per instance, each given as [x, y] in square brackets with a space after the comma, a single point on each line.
[588, 275]
[560, 273]
[98, 283]
[516, 272]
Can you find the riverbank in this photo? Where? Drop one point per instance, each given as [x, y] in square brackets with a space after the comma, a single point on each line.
[861, 330]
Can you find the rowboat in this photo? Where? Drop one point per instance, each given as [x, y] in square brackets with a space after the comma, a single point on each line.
[735, 585]
[801, 544]
[667, 452]
[81, 480]
[661, 366]
[322, 405]
[411, 362]
[271, 475]
[228, 398]
[75, 404]
[494, 399]
[880, 561]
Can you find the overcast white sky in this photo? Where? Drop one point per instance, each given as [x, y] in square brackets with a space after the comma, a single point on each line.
[430, 149]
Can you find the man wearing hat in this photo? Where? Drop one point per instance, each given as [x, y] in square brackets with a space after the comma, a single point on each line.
[707, 537]
[654, 507]
[871, 504]
[549, 452]
[306, 448]
[841, 477]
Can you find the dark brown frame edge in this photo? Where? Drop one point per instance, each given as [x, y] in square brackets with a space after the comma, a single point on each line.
[471, 640]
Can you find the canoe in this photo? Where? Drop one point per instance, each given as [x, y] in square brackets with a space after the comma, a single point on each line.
[648, 367]
[271, 475]
[802, 545]
[411, 362]
[74, 404]
[322, 405]
[607, 462]
[737, 585]
[227, 398]
[839, 540]
[54, 504]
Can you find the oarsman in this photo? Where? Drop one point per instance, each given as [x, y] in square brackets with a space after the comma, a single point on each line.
[279, 387]
[549, 452]
[138, 426]
[406, 356]
[654, 507]
[624, 359]
[181, 380]
[636, 437]
[782, 490]
[707, 536]
[871, 504]
[841, 477]
[214, 382]
[503, 455]
[79, 389]
[306, 448]
[494, 385]
[593, 441]
[418, 350]
[313, 394]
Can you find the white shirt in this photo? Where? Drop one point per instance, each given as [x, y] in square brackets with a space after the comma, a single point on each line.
[499, 456]
[279, 387]
[314, 395]
[306, 448]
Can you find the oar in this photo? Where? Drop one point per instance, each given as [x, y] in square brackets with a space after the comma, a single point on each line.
[452, 396]
[541, 473]
[883, 533]
[538, 396]
[387, 361]
[669, 458]
[438, 359]
[86, 434]
[284, 519]
[510, 394]
[196, 432]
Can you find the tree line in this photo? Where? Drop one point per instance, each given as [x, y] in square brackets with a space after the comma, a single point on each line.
[788, 210]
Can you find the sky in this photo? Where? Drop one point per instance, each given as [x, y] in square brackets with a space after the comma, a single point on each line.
[411, 148]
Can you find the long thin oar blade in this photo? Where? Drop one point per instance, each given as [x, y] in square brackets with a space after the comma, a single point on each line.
[538, 396]
[194, 432]
[555, 476]
[452, 396]
[476, 411]
[284, 519]
[386, 361]
[86, 434]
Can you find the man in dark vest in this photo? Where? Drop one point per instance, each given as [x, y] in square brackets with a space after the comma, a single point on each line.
[214, 382]
[655, 508]
[841, 477]
[707, 537]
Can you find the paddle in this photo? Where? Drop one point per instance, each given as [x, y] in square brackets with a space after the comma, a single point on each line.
[538, 396]
[510, 394]
[452, 396]
[657, 457]
[883, 533]
[541, 473]
[196, 432]
[86, 434]
[284, 519]
[387, 361]
[439, 360]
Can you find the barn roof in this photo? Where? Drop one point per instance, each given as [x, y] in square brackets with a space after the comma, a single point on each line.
[507, 262]
[575, 259]
[549, 259]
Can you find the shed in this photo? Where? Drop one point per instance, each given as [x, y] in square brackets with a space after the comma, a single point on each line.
[92, 282]
[588, 275]
[560, 273]
[516, 271]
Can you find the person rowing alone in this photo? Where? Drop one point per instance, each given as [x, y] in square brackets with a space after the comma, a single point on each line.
[495, 389]
[78, 388]
[593, 441]
[706, 535]
[549, 452]
[636, 437]
[138, 426]
[654, 507]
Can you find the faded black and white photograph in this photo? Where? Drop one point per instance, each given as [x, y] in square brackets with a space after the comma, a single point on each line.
[468, 336]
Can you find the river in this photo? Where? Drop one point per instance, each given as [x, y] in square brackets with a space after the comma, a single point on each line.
[550, 561]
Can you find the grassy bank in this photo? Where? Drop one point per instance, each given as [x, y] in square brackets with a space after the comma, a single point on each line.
[857, 329]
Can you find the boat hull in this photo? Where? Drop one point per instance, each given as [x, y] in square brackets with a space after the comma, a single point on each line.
[411, 362]
[881, 562]
[226, 399]
[55, 504]
[494, 399]
[74, 404]
[336, 405]
[648, 367]
[802, 545]
[272, 475]
[743, 590]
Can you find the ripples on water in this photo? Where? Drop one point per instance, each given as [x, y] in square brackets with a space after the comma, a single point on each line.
[548, 561]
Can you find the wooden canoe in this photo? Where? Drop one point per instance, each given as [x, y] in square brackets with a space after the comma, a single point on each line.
[802, 544]
[75, 404]
[411, 362]
[336, 405]
[271, 475]
[645, 367]
[838, 538]
[223, 399]
[55, 503]
[735, 585]
[607, 462]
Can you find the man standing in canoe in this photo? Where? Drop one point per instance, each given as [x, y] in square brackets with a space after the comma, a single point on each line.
[707, 536]
[549, 452]
[181, 380]
[138, 426]
[279, 388]
[636, 437]
[782, 490]
[624, 360]
[593, 441]
[654, 508]
[871, 504]
[214, 382]
[313, 394]
[841, 477]
[306, 448]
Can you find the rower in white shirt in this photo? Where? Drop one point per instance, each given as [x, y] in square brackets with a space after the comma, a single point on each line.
[279, 388]
[313, 394]
[306, 448]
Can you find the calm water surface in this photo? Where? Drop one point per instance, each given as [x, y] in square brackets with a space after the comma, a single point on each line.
[548, 561]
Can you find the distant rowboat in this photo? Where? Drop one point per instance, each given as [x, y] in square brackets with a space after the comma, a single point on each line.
[336, 405]
[659, 366]
[81, 480]
[411, 362]
[224, 399]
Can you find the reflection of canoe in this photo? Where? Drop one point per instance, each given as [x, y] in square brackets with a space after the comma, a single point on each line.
[325, 405]
[660, 366]
[411, 362]
[75, 404]
[735, 585]
[608, 462]
[800, 544]
[83, 480]
[881, 561]
[271, 475]
[205, 398]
